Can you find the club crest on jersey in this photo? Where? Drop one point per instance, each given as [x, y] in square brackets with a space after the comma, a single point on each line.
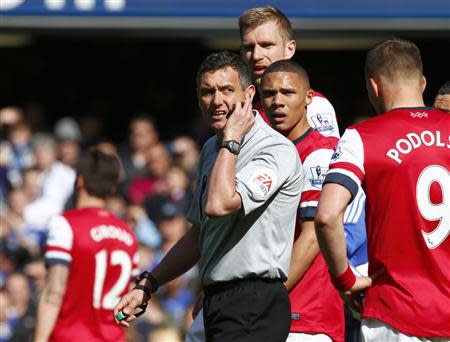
[263, 181]
[323, 123]
[338, 151]
[318, 174]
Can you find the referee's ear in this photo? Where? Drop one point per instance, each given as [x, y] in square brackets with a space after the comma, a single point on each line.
[251, 90]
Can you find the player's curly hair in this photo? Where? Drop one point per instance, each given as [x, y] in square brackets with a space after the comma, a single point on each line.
[223, 59]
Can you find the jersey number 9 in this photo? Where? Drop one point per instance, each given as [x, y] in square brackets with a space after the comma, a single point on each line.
[434, 212]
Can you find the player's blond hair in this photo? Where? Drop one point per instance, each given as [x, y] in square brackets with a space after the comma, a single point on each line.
[394, 59]
[254, 17]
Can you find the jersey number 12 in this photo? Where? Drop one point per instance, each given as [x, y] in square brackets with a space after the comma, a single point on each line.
[110, 299]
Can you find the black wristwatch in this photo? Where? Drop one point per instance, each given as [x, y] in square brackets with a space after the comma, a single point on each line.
[231, 145]
[147, 293]
[150, 278]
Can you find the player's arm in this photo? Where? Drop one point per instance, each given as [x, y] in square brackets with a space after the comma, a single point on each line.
[306, 247]
[304, 252]
[330, 228]
[181, 257]
[342, 183]
[223, 198]
[331, 237]
[50, 301]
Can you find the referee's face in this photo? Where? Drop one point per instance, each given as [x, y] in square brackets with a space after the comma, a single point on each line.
[218, 93]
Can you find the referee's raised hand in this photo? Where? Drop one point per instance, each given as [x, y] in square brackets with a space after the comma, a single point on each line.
[240, 121]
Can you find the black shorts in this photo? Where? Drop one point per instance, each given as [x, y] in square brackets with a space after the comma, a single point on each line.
[247, 310]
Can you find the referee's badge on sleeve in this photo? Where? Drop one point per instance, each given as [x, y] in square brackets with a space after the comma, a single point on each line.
[262, 182]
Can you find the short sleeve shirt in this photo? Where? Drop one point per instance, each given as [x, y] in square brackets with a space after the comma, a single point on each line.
[255, 241]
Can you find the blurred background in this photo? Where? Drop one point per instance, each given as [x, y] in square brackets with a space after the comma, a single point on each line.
[121, 73]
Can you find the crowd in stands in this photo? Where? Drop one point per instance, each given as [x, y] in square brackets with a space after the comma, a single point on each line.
[37, 182]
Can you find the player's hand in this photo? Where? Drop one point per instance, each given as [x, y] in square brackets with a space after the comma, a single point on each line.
[354, 297]
[198, 305]
[240, 121]
[129, 304]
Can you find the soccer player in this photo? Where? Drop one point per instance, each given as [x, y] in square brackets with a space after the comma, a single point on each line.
[442, 100]
[401, 158]
[317, 312]
[266, 37]
[91, 257]
[243, 214]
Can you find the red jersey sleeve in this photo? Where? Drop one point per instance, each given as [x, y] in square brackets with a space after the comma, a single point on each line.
[59, 242]
[347, 162]
[314, 168]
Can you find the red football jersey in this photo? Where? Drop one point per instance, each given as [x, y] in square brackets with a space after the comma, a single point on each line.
[101, 252]
[320, 113]
[316, 306]
[402, 160]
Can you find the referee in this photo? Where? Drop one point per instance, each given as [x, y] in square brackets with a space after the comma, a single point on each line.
[242, 215]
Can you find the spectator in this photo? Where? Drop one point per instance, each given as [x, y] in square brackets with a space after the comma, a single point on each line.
[57, 182]
[19, 151]
[143, 135]
[442, 100]
[21, 238]
[146, 257]
[178, 187]
[35, 270]
[23, 309]
[10, 116]
[5, 324]
[31, 180]
[67, 132]
[158, 164]
[165, 333]
[186, 154]
[172, 225]
[145, 229]
[7, 256]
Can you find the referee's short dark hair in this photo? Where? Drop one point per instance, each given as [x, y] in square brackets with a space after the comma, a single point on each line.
[223, 59]
[100, 172]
